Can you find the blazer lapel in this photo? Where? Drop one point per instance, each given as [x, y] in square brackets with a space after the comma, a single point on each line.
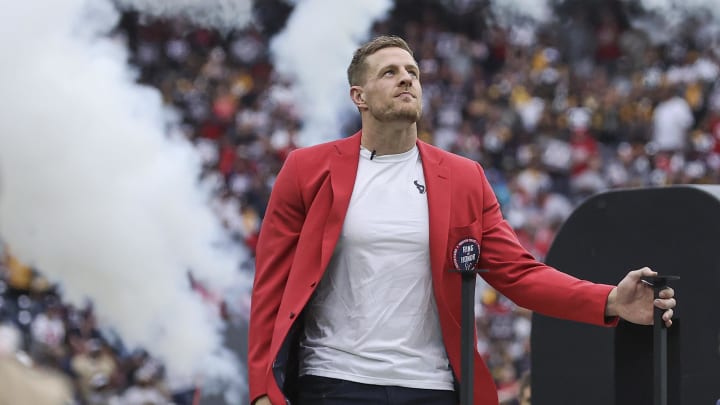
[437, 179]
[343, 171]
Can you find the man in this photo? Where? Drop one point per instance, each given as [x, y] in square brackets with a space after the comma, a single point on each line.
[21, 381]
[525, 391]
[353, 301]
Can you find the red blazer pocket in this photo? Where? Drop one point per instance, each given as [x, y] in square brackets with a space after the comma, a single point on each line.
[463, 247]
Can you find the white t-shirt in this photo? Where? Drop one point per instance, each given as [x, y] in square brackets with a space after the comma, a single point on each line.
[373, 318]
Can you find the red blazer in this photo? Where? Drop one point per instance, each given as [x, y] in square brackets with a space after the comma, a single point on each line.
[303, 222]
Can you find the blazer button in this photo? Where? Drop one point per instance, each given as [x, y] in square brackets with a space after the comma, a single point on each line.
[292, 315]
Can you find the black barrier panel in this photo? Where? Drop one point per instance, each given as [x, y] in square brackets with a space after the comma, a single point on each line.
[673, 230]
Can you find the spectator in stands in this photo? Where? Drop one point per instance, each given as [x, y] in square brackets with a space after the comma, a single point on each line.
[147, 388]
[93, 365]
[525, 391]
[19, 275]
[48, 335]
[672, 119]
[22, 381]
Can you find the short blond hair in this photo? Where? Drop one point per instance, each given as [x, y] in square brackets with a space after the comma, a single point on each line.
[358, 68]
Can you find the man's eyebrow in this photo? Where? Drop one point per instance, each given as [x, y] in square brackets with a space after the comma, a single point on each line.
[408, 66]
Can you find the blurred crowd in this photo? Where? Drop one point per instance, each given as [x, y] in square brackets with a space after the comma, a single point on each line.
[52, 352]
[601, 97]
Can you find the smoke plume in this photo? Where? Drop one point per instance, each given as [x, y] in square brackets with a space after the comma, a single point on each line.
[507, 11]
[314, 51]
[221, 14]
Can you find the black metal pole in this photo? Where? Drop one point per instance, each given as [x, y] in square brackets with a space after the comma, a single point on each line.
[467, 343]
[660, 386]
[466, 256]
[659, 356]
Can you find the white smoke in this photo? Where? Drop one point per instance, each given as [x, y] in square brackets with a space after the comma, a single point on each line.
[314, 51]
[508, 11]
[521, 18]
[666, 17]
[223, 14]
[98, 195]
[672, 8]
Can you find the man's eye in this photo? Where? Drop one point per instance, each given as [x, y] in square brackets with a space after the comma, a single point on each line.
[388, 72]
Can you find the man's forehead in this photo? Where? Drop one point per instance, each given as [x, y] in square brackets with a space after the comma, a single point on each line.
[391, 56]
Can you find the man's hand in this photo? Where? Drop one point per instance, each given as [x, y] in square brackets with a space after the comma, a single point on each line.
[264, 400]
[633, 300]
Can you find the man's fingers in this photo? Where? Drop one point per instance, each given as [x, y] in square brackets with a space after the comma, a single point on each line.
[665, 303]
[643, 272]
[667, 317]
[667, 293]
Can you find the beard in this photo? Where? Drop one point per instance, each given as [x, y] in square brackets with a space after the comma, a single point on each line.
[398, 111]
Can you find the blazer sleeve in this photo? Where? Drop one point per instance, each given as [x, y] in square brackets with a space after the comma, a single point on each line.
[276, 247]
[515, 273]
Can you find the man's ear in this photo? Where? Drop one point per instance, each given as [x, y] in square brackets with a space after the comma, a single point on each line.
[357, 96]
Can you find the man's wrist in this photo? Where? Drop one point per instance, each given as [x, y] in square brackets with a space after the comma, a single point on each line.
[611, 304]
[262, 400]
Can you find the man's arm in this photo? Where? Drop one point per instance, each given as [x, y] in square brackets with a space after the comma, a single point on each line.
[538, 287]
[274, 255]
[515, 273]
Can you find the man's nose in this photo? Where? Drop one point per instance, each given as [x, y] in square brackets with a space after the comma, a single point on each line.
[405, 78]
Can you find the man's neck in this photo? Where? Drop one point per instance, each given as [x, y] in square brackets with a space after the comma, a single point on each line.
[389, 139]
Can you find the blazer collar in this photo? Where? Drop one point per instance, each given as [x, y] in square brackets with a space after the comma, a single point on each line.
[437, 181]
[343, 171]
[343, 168]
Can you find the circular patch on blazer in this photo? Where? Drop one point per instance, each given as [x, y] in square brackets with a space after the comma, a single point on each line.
[466, 255]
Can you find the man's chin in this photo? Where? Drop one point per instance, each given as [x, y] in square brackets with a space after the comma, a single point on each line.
[409, 116]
